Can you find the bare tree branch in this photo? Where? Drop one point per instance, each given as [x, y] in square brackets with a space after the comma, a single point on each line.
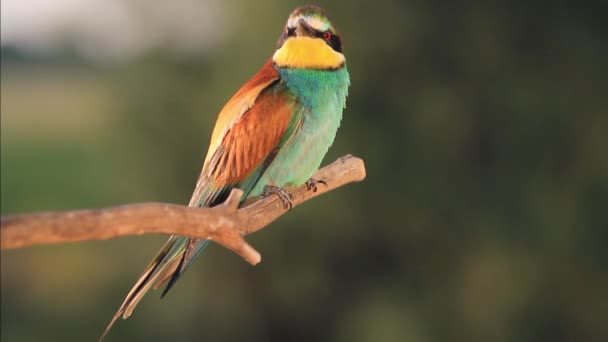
[225, 224]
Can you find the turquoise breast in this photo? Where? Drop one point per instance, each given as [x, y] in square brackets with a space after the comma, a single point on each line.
[320, 99]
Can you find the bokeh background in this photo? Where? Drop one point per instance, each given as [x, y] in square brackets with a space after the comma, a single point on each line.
[484, 129]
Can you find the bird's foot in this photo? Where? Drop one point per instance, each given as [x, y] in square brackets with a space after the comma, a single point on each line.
[311, 184]
[282, 193]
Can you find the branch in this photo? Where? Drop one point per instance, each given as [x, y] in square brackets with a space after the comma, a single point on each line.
[225, 224]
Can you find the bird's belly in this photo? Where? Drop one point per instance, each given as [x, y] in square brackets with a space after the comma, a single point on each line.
[302, 155]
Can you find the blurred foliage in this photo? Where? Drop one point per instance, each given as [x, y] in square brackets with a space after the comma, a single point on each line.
[484, 216]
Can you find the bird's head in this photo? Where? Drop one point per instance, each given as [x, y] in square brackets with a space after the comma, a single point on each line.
[309, 41]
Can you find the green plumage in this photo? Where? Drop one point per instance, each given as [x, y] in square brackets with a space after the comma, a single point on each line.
[320, 97]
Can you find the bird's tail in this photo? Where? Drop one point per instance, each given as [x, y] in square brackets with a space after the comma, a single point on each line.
[170, 262]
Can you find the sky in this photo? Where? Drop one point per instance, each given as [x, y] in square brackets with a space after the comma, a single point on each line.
[110, 30]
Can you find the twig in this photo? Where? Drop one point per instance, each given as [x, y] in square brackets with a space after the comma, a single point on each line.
[225, 224]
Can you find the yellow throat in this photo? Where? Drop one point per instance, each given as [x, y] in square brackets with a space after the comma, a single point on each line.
[307, 53]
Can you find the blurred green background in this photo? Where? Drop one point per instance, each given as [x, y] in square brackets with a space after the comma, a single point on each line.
[484, 130]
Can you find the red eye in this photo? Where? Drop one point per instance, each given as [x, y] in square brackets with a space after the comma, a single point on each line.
[327, 35]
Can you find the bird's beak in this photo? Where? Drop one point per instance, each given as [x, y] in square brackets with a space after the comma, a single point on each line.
[304, 30]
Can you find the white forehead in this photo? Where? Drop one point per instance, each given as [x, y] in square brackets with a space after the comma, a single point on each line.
[312, 21]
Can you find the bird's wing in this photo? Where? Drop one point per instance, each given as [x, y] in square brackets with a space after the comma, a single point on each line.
[240, 103]
[249, 132]
[248, 129]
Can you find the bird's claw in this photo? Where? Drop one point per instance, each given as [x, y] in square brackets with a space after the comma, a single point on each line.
[283, 194]
[311, 184]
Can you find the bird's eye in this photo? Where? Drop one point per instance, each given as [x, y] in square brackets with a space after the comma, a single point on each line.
[327, 35]
[290, 31]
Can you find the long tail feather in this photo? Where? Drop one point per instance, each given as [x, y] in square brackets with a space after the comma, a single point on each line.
[174, 257]
[170, 252]
[167, 273]
[193, 250]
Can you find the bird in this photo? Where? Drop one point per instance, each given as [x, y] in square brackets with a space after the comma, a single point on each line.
[274, 132]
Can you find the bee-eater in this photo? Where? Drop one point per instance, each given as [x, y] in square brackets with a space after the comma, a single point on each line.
[272, 133]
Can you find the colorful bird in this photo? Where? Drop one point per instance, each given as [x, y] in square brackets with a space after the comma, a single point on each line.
[273, 132]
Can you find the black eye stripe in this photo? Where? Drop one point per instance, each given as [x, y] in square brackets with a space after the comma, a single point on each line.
[335, 42]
